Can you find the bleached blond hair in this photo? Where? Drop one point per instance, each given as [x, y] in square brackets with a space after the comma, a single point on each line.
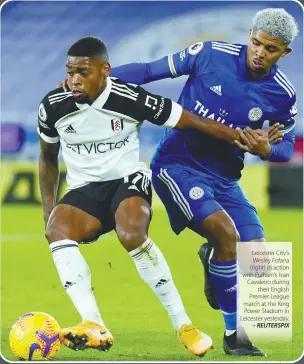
[276, 22]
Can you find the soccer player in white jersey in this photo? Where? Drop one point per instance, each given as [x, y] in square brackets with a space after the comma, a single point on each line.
[96, 125]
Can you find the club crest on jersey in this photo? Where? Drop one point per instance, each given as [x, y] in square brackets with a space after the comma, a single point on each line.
[42, 113]
[196, 193]
[117, 125]
[255, 114]
[195, 48]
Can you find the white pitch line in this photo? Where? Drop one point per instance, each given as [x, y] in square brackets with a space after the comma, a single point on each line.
[21, 237]
[16, 238]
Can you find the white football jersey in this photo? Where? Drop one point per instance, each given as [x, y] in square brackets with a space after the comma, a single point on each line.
[100, 142]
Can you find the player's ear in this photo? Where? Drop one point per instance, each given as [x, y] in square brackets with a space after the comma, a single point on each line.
[106, 69]
[287, 51]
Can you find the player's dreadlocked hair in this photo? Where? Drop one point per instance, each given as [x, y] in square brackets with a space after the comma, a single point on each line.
[276, 22]
[89, 47]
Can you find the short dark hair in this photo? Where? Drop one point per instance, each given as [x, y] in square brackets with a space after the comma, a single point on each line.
[89, 47]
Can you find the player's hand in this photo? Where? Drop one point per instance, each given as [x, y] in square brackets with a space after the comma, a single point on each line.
[65, 85]
[254, 141]
[274, 134]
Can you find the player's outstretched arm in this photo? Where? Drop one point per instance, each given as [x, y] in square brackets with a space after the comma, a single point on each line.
[48, 176]
[188, 120]
[142, 73]
[163, 111]
[174, 65]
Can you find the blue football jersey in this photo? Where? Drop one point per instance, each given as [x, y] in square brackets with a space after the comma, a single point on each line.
[219, 88]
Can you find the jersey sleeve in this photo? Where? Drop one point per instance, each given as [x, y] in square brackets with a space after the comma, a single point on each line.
[157, 109]
[282, 151]
[141, 73]
[286, 116]
[187, 61]
[46, 122]
[191, 60]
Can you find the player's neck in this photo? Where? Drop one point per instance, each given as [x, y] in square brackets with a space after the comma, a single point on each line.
[256, 75]
[101, 90]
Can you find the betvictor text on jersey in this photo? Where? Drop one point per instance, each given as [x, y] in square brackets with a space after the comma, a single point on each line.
[97, 148]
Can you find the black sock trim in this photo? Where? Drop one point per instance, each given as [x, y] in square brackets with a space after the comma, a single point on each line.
[148, 247]
[64, 246]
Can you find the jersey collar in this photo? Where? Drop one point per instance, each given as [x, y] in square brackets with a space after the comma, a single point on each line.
[101, 99]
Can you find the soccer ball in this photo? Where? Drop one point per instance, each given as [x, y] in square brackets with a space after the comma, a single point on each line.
[35, 336]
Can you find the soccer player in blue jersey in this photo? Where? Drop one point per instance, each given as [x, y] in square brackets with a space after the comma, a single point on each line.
[195, 175]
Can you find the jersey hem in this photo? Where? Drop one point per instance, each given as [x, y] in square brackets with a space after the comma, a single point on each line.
[47, 138]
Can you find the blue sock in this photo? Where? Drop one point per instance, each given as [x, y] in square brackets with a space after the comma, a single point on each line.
[223, 277]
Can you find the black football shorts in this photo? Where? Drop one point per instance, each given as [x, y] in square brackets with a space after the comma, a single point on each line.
[101, 199]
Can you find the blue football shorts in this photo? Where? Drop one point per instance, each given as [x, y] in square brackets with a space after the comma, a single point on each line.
[189, 196]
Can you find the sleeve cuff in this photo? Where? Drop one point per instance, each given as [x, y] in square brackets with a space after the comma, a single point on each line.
[175, 115]
[48, 139]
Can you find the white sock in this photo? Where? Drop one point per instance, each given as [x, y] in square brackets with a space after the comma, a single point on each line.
[154, 270]
[75, 276]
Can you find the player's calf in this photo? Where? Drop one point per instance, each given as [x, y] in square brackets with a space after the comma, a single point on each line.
[222, 266]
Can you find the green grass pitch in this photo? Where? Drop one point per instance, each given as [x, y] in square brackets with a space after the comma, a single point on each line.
[141, 327]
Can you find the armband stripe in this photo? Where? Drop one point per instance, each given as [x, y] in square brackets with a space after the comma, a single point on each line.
[171, 66]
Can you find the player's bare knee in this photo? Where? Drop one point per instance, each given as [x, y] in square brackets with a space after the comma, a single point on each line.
[55, 232]
[227, 238]
[226, 233]
[231, 234]
[131, 239]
